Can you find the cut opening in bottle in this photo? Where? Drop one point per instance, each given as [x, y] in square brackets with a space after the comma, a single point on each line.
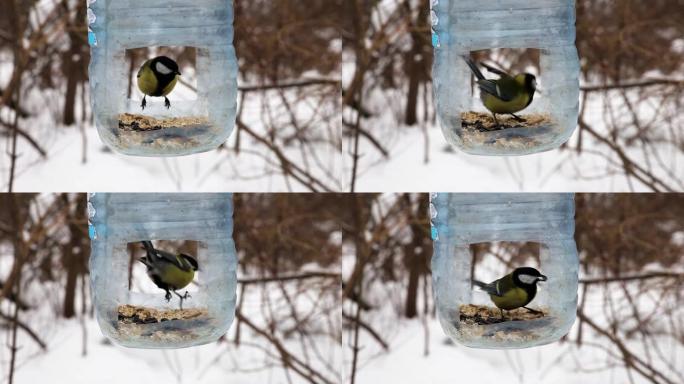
[507, 283]
[508, 110]
[140, 280]
[164, 289]
[162, 106]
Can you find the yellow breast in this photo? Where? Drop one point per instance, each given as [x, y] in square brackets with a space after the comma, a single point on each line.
[512, 299]
[179, 278]
[147, 81]
[497, 105]
[169, 86]
[149, 84]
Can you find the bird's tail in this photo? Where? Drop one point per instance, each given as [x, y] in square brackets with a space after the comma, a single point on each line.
[148, 246]
[145, 261]
[473, 67]
[489, 288]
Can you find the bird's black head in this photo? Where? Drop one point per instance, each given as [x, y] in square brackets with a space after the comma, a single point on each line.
[530, 82]
[165, 66]
[527, 276]
[191, 260]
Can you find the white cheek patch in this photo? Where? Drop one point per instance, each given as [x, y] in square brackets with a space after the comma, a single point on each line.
[528, 279]
[163, 69]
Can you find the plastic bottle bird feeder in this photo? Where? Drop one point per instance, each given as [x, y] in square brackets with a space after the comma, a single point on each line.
[187, 126]
[131, 309]
[459, 220]
[460, 27]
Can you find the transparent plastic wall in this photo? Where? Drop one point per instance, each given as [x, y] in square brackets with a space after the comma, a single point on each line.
[117, 219]
[117, 25]
[463, 26]
[459, 220]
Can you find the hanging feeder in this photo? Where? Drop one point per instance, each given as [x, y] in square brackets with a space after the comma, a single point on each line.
[131, 309]
[186, 126]
[464, 310]
[463, 27]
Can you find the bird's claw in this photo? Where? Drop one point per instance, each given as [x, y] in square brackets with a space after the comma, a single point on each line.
[535, 311]
[186, 295]
[168, 296]
[143, 104]
[167, 103]
[518, 118]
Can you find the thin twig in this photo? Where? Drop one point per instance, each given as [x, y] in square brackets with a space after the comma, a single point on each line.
[368, 329]
[641, 276]
[292, 84]
[634, 84]
[26, 329]
[288, 359]
[300, 276]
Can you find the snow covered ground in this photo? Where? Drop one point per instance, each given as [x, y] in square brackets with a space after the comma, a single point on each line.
[285, 114]
[450, 170]
[105, 363]
[450, 363]
[561, 362]
[255, 169]
[597, 361]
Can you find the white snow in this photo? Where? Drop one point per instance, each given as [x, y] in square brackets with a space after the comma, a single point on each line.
[254, 169]
[254, 361]
[596, 169]
[560, 362]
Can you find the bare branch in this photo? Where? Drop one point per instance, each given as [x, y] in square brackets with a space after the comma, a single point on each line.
[300, 276]
[642, 276]
[633, 84]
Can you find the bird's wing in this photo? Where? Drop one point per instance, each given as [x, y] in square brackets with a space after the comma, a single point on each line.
[492, 288]
[145, 64]
[149, 248]
[473, 67]
[155, 256]
[146, 262]
[495, 70]
[189, 261]
[492, 87]
[171, 258]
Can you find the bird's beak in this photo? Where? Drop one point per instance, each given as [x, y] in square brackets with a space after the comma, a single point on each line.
[178, 73]
[542, 278]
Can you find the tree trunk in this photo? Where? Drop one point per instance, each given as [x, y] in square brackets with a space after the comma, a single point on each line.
[70, 287]
[416, 62]
[411, 310]
[73, 68]
[415, 253]
[74, 253]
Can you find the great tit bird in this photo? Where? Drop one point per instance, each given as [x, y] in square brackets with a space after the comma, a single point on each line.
[157, 77]
[168, 271]
[515, 290]
[507, 94]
